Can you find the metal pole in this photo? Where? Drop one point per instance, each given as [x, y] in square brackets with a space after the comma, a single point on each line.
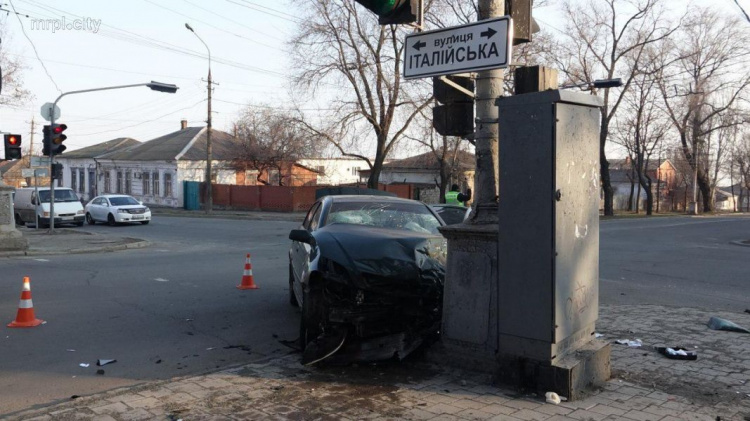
[489, 88]
[695, 182]
[51, 178]
[209, 154]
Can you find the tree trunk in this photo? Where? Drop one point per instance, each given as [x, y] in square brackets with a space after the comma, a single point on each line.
[638, 200]
[377, 166]
[632, 192]
[705, 188]
[604, 171]
[646, 183]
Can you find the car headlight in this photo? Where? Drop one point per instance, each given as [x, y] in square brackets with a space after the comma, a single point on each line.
[46, 214]
[80, 212]
[147, 209]
[122, 211]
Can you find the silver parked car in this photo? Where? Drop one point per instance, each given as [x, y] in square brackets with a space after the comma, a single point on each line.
[116, 208]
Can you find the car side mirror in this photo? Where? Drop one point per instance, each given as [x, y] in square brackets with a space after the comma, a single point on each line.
[33, 201]
[303, 236]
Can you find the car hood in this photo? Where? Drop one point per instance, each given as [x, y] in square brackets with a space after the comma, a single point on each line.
[374, 258]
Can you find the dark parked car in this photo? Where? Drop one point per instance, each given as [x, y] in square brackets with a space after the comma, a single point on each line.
[368, 273]
[451, 214]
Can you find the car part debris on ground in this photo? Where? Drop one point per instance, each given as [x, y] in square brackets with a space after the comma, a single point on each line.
[717, 323]
[677, 353]
[633, 344]
[101, 362]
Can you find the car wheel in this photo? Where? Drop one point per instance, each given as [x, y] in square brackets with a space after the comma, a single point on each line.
[292, 297]
[111, 220]
[145, 222]
[313, 312]
[19, 222]
[89, 219]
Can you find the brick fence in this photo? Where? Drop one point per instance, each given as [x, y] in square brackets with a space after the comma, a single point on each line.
[280, 198]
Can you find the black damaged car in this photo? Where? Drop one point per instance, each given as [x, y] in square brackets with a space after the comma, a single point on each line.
[368, 273]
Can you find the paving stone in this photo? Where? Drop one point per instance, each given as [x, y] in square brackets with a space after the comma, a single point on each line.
[475, 414]
[582, 414]
[527, 414]
[117, 408]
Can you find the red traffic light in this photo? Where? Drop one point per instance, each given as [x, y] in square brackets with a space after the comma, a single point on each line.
[13, 140]
[59, 128]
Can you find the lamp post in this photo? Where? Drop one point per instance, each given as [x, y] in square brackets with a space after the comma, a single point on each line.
[155, 86]
[209, 192]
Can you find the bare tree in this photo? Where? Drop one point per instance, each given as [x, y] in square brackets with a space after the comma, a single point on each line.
[269, 141]
[608, 39]
[11, 72]
[704, 87]
[340, 44]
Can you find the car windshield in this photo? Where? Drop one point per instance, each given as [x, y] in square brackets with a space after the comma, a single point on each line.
[60, 196]
[123, 201]
[408, 216]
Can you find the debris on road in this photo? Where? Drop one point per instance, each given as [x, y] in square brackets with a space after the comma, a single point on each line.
[717, 323]
[677, 353]
[71, 350]
[552, 397]
[101, 362]
[633, 344]
[84, 365]
[598, 335]
[100, 372]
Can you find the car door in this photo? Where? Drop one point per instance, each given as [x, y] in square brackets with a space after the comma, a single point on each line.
[301, 252]
[99, 209]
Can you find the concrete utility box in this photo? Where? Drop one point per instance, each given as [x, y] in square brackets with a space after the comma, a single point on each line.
[548, 242]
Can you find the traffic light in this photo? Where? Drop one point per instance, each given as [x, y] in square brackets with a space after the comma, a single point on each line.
[13, 146]
[456, 116]
[52, 141]
[524, 24]
[57, 169]
[393, 12]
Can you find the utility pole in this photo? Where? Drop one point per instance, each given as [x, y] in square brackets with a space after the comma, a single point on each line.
[209, 154]
[31, 140]
[489, 87]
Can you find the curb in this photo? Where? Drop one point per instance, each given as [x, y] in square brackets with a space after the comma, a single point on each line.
[119, 247]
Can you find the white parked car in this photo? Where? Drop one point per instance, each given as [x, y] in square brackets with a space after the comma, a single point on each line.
[116, 208]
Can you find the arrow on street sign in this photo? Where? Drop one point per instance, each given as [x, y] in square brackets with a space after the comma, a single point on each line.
[476, 46]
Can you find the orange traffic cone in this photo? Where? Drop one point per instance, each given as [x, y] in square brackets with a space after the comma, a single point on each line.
[247, 276]
[25, 316]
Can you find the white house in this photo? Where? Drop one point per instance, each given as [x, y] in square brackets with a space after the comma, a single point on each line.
[153, 171]
[336, 171]
[81, 167]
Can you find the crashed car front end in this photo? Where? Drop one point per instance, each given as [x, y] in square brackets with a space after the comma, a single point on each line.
[380, 293]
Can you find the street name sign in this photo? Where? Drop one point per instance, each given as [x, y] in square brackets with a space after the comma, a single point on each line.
[476, 46]
[34, 172]
[39, 161]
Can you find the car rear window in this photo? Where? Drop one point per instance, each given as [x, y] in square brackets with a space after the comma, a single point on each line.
[407, 216]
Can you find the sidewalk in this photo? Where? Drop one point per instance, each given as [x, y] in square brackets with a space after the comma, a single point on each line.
[232, 214]
[72, 241]
[645, 385]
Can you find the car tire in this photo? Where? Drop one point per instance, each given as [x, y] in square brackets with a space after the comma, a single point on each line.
[292, 297]
[313, 311]
[19, 222]
[111, 220]
[90, 219]
[145, 222]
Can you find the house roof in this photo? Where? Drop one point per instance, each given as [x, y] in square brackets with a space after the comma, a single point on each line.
[5, 166]
[187, 144]
[428, 161]
[103, 148]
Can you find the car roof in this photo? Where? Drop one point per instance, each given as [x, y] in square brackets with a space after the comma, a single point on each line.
[115, 195]
[368, 198]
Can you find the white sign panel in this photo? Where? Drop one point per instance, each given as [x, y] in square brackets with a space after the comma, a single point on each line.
[39, 161]
[476, 46]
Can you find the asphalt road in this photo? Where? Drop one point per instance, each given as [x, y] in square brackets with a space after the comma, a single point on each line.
[156, 310]
[172, 309]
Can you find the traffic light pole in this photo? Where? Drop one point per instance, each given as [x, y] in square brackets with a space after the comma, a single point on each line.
[156, 86]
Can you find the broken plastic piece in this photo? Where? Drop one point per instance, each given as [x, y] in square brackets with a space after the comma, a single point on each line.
[633, 344]
[101, 362]
[717, 323]
[677, 353]
[598, 335]
[84, 365]
[552, 397]
[71, 350]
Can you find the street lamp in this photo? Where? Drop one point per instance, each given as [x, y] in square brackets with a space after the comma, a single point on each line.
[600, 83]
[155, 86]
[209, 192]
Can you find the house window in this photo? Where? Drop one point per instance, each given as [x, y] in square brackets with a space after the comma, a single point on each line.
[128, 182]
[81, 180]
[274, 177]
[119, 182]
[107, 182]
[167, 185]
[321, 169]
[74, 179]
[92, 183]
[251, 178]
[146, 183]
[155, 188]
[355, 170]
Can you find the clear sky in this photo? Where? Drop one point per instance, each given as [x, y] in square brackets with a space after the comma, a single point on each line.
[143, 40]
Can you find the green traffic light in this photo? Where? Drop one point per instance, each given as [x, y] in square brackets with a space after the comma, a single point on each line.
[380, 7]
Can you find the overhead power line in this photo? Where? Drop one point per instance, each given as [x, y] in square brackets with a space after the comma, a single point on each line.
[18, 16]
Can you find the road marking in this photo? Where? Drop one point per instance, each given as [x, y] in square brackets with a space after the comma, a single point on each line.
[161, 280]
[163, 251]
[41, 260]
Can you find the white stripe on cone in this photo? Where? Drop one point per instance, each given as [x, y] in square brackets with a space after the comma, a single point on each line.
[26, 286]
[25, 304]
[248, 272]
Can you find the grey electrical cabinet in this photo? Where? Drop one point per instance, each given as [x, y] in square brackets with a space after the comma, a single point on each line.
[548, 248]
